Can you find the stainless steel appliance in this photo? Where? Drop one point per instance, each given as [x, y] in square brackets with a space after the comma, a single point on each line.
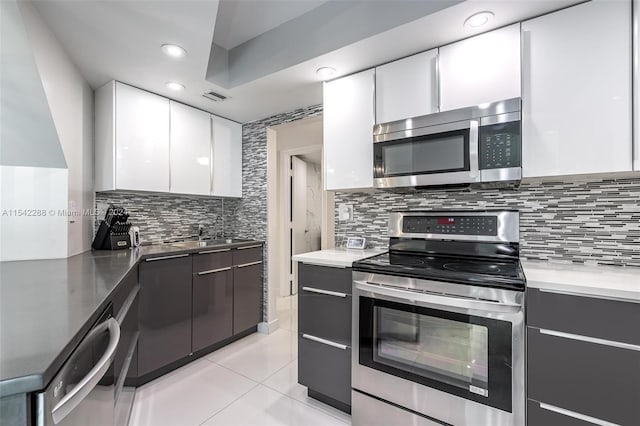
[83, 392]
[438, 323]
[479, 145]
[134, 236]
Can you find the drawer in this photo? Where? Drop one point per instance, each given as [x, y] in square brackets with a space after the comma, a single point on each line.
[210, 260]
[324, 277]
[326, 316]
[589, 378]
[325, 369]
[587, 316]
[248, 254]
[539, 415]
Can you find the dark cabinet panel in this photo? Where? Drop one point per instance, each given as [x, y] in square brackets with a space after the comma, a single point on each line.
[592, 379]
[325, 369]
[587, 316]
[164, 312]
[325, 316]
[538, 416]
[210, 260]
[324, 278]
[247, 297]
[212, 308]
[250, 254]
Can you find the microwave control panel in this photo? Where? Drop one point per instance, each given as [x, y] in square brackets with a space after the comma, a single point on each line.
[457, 225]
[500, 146]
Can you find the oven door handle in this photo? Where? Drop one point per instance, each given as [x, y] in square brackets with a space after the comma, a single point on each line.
[438, 300]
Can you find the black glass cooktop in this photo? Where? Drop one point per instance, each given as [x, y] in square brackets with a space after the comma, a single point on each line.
[464, 270]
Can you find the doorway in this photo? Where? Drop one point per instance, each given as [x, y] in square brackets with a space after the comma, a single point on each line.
[300, 212]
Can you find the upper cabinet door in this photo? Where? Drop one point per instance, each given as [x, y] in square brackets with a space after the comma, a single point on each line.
[577, 90]
[190, 150]
[227, 158]
[636, 84]
[407, 88]
[484, 68]
[142, 140]
[348, 131]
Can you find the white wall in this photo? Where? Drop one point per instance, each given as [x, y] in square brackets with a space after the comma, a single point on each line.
[70, 100]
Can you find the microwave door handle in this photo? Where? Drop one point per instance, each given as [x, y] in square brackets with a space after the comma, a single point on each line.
[80, 391]
[438, 300]
[474, 164]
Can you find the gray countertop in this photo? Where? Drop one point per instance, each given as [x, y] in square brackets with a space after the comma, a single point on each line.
[47, 306]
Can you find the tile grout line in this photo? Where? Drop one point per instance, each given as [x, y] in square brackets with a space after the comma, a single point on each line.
[256, 384]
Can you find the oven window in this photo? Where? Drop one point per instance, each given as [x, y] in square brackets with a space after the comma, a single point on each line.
[450, 351]
[464, 355]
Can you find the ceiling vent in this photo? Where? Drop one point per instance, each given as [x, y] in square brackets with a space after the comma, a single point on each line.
[216, 97]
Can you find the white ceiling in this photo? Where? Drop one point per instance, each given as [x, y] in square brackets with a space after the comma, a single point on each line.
[121, 40]
[240, 21]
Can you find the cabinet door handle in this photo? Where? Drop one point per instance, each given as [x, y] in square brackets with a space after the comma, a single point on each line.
[167, 257]
[588, 339]
[213, 271]
[249, 247]
[324, 341]
[214, 251]
[244, 265]
[325, 292]
[575, 415]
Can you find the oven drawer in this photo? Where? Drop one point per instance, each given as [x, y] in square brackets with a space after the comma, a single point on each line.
[248, 254]
[325, 368]
[326, 316]
[324, 278]
[211, 260]
[540, 414]
[374, 412]
[592, 379]
[587, 316]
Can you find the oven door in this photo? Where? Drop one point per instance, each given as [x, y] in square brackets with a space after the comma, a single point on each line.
[452, 358]
[445, 154]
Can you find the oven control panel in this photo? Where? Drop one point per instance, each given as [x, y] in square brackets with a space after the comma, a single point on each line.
[457, 225]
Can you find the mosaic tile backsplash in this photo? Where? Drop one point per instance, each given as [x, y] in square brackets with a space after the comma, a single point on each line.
[164, 217]
[589, 221]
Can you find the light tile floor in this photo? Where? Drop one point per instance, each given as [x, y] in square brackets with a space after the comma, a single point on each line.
[253, 381]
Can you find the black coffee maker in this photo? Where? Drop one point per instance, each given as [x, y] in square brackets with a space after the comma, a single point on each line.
[113, 233]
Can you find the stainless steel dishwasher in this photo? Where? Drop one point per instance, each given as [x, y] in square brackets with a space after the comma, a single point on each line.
[83, 391]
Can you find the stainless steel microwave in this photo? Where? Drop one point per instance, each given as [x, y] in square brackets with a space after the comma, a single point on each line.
[477, 145]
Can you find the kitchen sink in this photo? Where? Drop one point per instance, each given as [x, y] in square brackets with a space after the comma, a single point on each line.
[207, 243]
[190, 244]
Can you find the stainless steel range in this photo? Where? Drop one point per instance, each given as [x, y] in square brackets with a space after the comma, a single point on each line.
[438, 323]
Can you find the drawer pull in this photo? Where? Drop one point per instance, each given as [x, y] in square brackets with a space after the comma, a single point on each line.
[324, 341]
[575, 415]
[213, 271]
[167, 257]
[326, 292]
[244, 265]
[249, 247]
[590, 339]
[213, 251]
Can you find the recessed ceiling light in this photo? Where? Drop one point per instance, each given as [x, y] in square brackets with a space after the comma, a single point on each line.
[173, 85]
[173, 51]
[325, 72]
[478, 19]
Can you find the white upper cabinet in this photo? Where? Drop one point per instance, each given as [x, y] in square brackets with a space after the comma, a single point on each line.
[481, 69]
[348, 131]
[142, 140]
[227, 158]
[577, 90]
[190, 150]
[636, 85]
[407, 88]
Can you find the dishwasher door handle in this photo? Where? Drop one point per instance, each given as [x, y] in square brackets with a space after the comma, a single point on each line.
[80, 391]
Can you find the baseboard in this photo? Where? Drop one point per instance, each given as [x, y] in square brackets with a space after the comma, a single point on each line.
[268, 327]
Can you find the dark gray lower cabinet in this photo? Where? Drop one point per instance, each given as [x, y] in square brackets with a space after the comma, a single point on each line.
[324, 333]
[325, 369]
[583, 361]
[164, 312]
[247, 296]
[212, 308]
